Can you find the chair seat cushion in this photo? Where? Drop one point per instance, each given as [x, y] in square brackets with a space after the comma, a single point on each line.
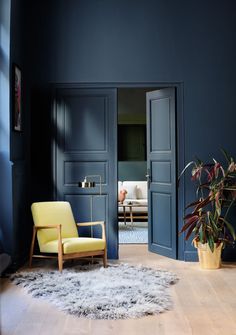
[74, 245]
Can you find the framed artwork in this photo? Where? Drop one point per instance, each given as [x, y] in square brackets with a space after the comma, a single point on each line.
[17, 98]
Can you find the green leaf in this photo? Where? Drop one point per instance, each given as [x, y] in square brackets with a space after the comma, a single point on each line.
[199, 162]
[211, 243]
[227, 156]
[202, 235]
[184, 169]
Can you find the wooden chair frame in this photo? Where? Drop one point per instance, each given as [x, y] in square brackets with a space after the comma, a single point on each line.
[61, 256]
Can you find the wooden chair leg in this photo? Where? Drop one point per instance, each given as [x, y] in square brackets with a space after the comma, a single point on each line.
[60, 262]
[32, 247]
[105, 259]
[60, 254]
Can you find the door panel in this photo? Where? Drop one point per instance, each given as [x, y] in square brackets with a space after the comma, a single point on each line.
[161, 162]
[160, 120]
[162, 203]
[85, 144]
[93, 116]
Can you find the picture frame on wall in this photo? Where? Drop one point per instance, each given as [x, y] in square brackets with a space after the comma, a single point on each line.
[17, 98]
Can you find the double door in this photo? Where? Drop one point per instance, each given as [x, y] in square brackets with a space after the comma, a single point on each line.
[85, 143]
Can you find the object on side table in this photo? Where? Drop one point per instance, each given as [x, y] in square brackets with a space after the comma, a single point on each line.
[136, 196]
[91, 184]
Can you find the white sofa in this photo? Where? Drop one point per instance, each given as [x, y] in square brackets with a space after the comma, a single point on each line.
[136, 194]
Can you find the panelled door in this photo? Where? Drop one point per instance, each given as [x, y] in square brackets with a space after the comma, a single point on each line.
[85, 123]
[161, 163]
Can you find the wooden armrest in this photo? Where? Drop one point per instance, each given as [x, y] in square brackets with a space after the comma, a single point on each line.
[56, 226]
[94, 223]
[48, 227]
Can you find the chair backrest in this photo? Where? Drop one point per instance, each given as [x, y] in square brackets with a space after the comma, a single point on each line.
[53, 213]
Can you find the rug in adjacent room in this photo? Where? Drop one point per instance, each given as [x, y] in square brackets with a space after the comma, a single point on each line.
[119, 291]
[138, 234]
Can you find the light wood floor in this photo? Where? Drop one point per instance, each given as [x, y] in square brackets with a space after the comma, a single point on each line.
[204, 303]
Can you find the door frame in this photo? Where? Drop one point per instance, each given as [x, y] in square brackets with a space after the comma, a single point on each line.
[180, 141]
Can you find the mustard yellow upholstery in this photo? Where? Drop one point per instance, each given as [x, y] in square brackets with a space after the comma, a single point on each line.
[74, 244]
[53, 212]
[57, 233]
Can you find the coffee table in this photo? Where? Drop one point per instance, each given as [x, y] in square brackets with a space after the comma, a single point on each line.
[131, 214]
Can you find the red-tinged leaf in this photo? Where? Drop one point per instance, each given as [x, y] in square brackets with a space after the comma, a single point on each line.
[193, 219]
[185, 227]
[190, 231]
[190, 215]
[208, 166]
[223, 172]
[189, 223]
[203, 203]
[210, 174]
[196, 175]
[193, 204]
[216, 169]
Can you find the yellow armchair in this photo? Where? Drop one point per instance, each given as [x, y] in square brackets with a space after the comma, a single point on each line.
[57, 233]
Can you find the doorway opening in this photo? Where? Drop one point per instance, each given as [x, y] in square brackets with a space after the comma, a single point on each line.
[78, 154]
[132, 166]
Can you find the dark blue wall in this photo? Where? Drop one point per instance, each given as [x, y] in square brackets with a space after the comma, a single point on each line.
[162, 41]
[15, 218]
[20, 142]
[6, 238]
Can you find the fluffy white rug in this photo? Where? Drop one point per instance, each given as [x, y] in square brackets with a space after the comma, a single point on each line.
[117, 292]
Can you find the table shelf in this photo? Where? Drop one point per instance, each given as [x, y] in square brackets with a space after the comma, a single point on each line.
[129, 214]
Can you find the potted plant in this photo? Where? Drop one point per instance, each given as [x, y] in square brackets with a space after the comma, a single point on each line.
[207, 217]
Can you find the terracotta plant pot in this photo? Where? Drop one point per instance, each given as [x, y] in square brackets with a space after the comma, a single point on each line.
[207, 258]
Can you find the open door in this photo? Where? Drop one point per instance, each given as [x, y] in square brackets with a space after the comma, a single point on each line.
[161, 164]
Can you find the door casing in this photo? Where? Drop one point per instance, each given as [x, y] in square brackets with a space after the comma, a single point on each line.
[179, 87]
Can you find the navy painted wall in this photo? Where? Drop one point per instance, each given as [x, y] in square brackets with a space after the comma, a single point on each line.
[192, 42]
[15, 147]
[6, 224]
[20, 142]
[128, 170]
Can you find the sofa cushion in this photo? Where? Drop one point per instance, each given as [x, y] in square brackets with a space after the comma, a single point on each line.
[139, 209]
[137, 202]
[131, 188]
[141, 190]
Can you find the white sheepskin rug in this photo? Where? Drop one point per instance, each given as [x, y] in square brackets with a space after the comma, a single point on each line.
[117, 292]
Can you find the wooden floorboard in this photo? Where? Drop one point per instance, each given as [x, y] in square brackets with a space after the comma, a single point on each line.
[204, 302]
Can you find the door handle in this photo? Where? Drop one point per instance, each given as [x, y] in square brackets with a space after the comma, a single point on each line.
[148, 176]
